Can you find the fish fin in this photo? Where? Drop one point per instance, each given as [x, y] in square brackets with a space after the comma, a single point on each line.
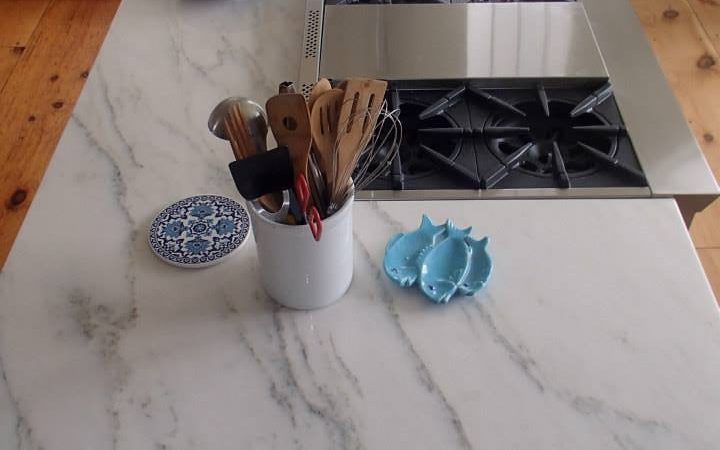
[403, 275]
[470, 288]
[439, 291]
[427, 227]
[393, 240]
[473, 243]
[455, 232]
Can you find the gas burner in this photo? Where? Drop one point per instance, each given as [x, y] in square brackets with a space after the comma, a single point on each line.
[462, 135]
[385, 2]
[415, 160]
[400, 2]
[552, 136]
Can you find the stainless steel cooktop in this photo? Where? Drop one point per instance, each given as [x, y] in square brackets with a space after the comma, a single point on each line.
[471, 57]
[461, 134]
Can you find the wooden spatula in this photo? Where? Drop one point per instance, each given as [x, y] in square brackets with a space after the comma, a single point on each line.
[324, 127]
[358, 115]
[322, 86]
[290, 123]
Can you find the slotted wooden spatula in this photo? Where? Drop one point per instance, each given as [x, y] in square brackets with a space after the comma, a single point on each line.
[358, 115]
[290, 123]
[322, 86]
[324, 127]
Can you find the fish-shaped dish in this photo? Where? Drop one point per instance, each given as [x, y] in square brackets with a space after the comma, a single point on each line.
[444, 266]
[400, 262]
[480, 267]
[444, 258]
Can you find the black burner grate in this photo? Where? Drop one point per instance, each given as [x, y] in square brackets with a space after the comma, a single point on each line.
[399, 2]
[475, 137]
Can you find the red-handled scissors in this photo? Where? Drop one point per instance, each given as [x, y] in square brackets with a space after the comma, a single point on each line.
[312, 216]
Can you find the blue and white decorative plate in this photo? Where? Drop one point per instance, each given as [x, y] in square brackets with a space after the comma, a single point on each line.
[199, 231]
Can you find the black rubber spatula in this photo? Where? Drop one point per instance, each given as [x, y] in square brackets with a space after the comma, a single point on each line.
[263, 173]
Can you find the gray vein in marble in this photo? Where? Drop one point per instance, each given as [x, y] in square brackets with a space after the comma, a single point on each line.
[625, 443]
[216, 163]
[586, 405]
[175, 420]
[178, 44]
[423, 373]
[354, 382]
[517, 353]
[343, 432]
[101, 324]
[592, 406]
[97, 321]
[396, 225]
[110, 108]
[281, 398]
[301, 343]
[120, 188]
[23, 431]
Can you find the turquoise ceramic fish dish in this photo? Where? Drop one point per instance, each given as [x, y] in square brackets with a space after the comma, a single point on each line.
[442, 259]
[402, 251]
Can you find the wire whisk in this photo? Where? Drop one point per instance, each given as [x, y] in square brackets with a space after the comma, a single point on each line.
[378, 150]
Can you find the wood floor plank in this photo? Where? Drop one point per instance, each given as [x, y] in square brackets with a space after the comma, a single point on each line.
[38, 99]
[689, 61]
[708, 13]
[9, 57]
[18, 20]
[710, 258]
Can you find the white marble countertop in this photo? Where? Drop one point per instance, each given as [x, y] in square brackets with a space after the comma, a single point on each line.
[597, 331]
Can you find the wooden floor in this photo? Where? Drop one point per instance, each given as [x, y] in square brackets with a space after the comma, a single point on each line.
[47, 48]
[685, 35]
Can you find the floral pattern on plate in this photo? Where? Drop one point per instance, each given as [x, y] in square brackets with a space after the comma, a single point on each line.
[199, 231]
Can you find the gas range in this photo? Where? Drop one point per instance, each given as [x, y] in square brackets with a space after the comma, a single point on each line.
[461, 135]
[513, 99]
[417, 2]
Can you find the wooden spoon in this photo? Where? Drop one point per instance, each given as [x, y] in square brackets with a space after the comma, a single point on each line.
[290, 123]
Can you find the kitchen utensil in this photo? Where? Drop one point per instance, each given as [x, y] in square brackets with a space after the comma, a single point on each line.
[318, 189]
[361, 104]
[277, 216]
[287, 87]
[322, 86]
[245, 146]
[290, 123]
[240, 139]
[382, 149]
[263, 173]
[444, 266]
[199, 231]
[299, 272]
[480, 267]
[400, 262]
[324, 127]
[445, 260]
[312, 215]
[376, 156]
[252, 113]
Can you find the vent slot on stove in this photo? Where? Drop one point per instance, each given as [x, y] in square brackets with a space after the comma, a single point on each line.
[312, 34]
[311, 43]
[306, 89]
